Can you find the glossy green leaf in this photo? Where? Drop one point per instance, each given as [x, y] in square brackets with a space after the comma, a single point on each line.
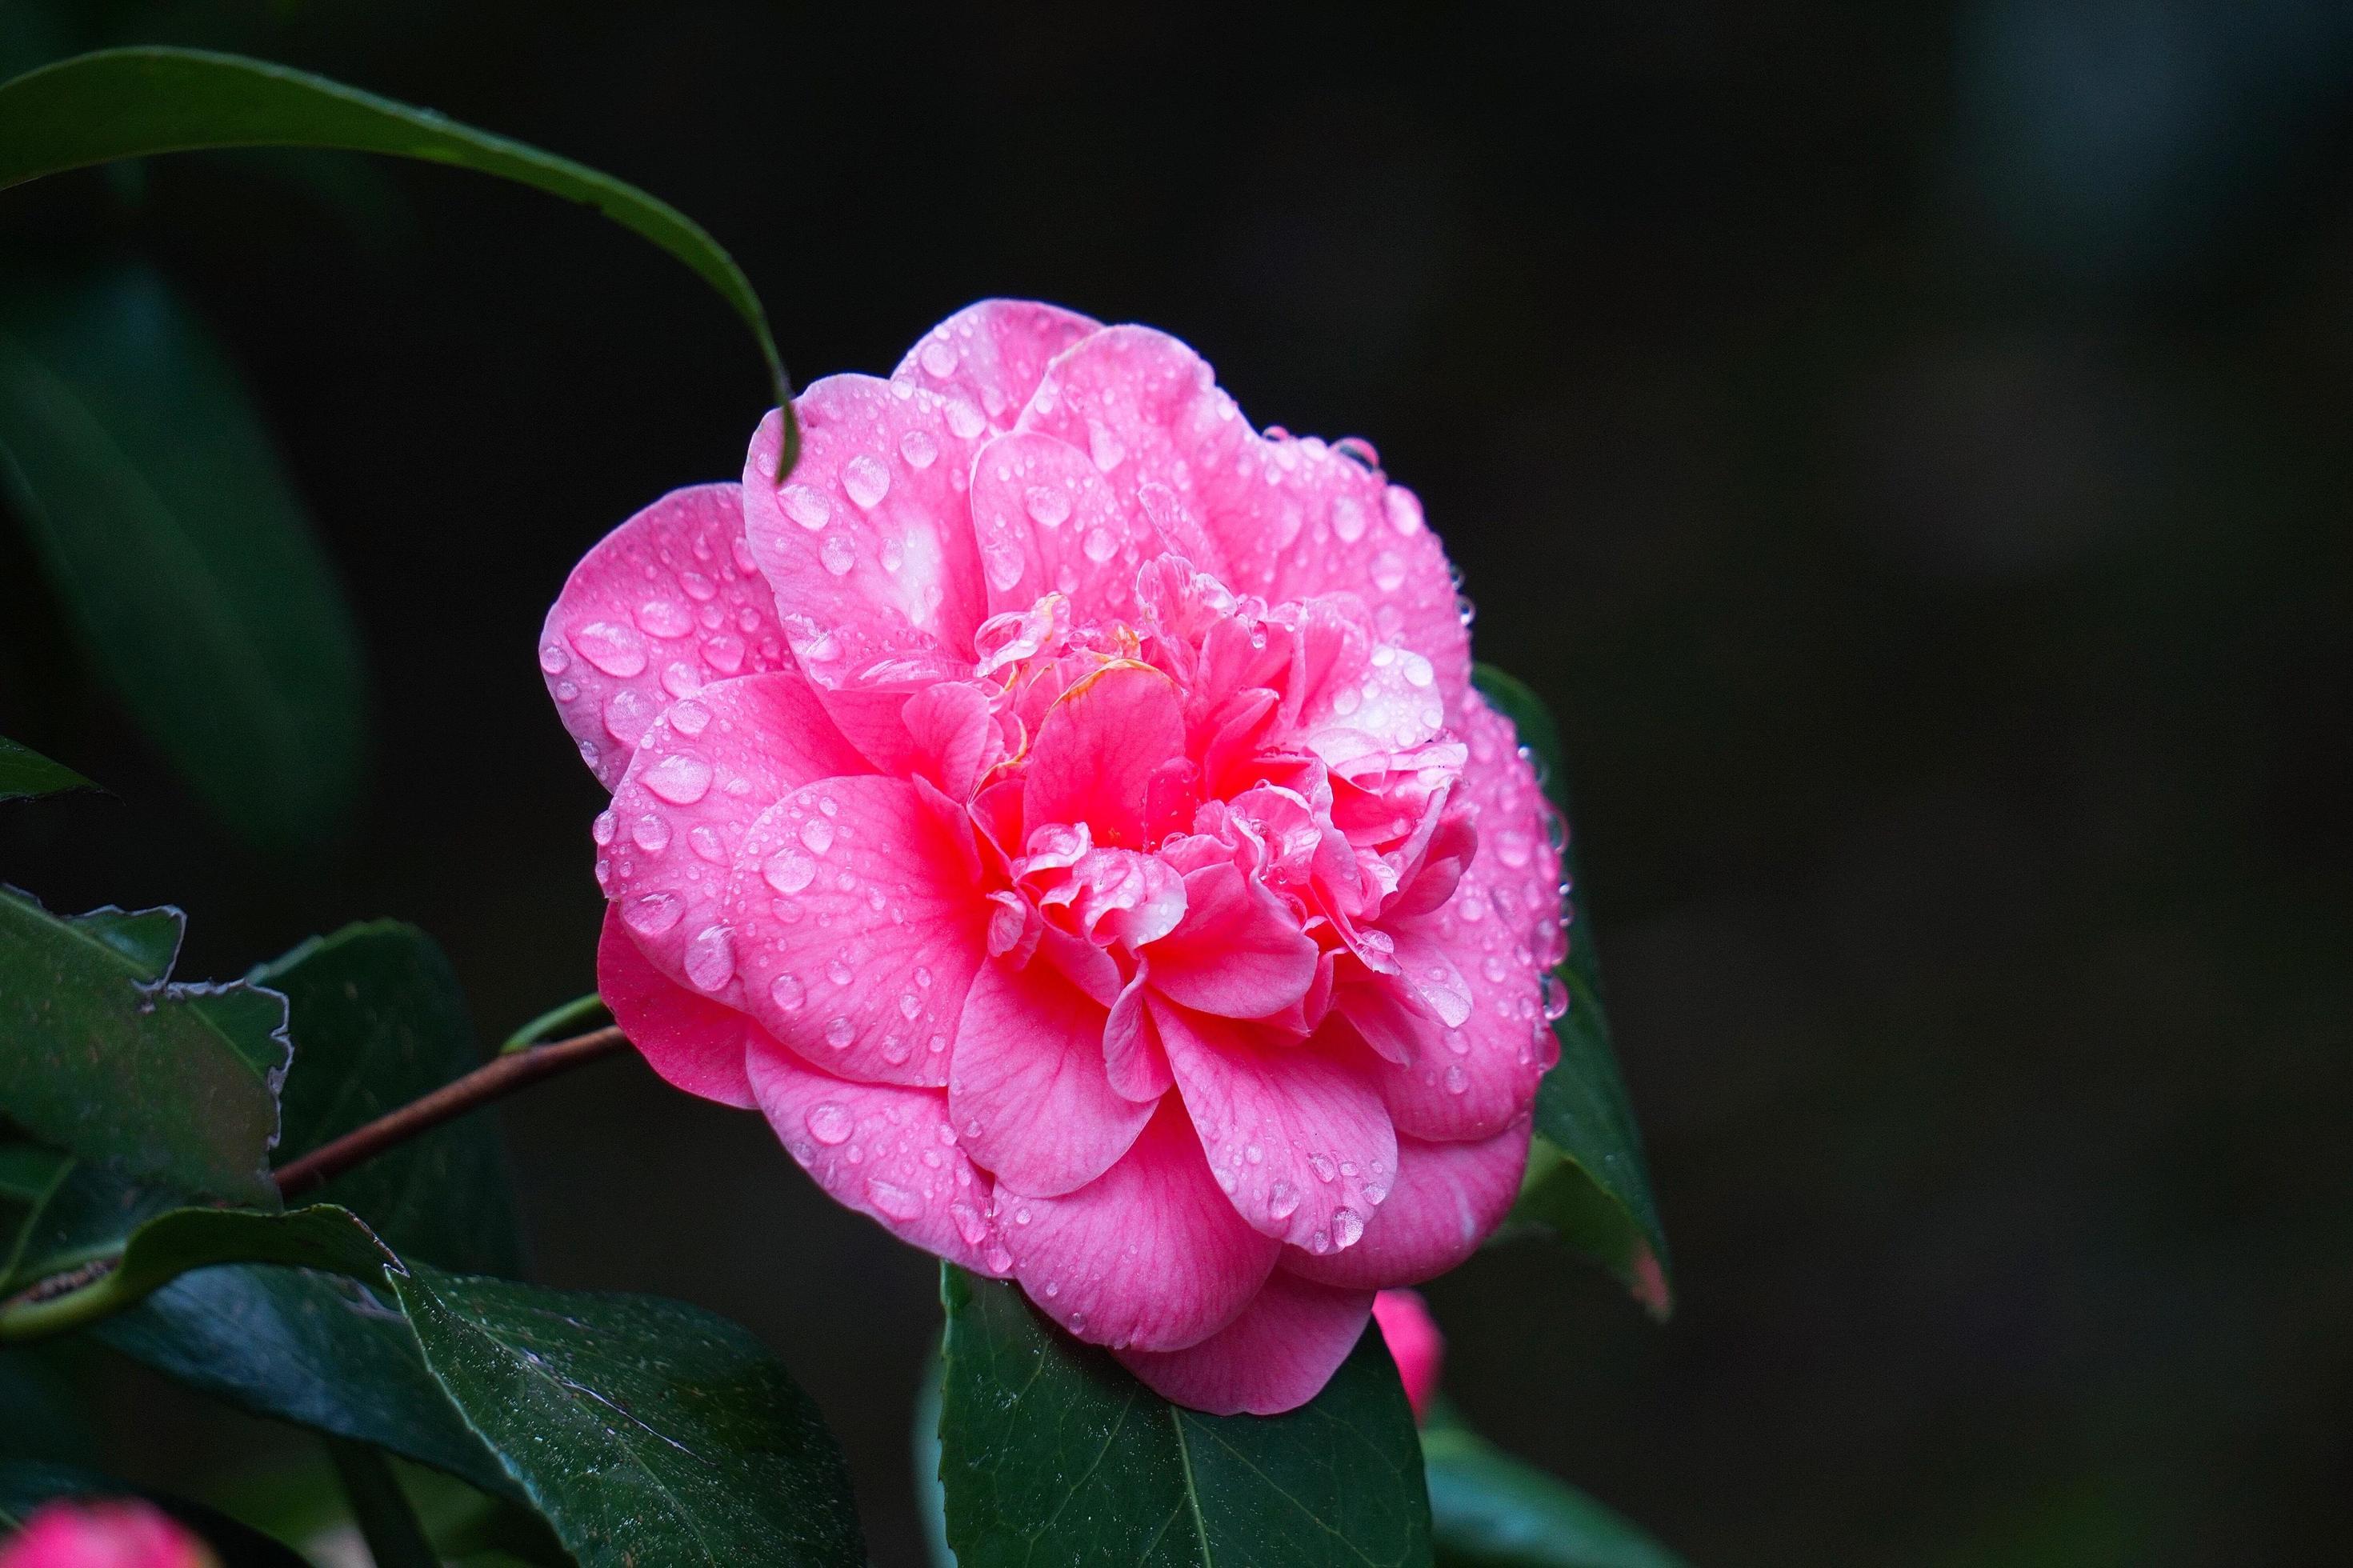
[644, 1431]
[25, 774]
[128, 103]
[24, 1487]
[1587, 1180]
[102, 1056]
[377, 1020]
[315, 1349]
[1051, 1453]
[172, 535]
[57, 1213]
[1492, 1511]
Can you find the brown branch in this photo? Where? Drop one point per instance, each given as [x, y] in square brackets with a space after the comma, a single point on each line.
[494, 1079]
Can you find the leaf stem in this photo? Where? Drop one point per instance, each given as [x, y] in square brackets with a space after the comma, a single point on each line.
[494, 1079]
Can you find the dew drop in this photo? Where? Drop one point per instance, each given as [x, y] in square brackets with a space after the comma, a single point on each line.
[788, 992]
[840, 973]
[680, 780]
[616, 649]
[711, 958]
[650, 833]
[1104, 448]
[817, 833]
[1047, 507]
[1347, 1228]
[831, 1124]
[839, 1031]
[839, 554]
[787, 870]
[1101, 545]
[1281, 1202]
[554, 659]
[689, 718]
[1457, 1081]
[1348, 518]
[893, 1199]
[725, 653]
[920, 450]
[867, 481]
[665, 619]
[601, 830]
[964, 421]
[698, 587]
[908, 1006]
[808, 507]
[1323, 1167]
[939, 357]
[652, 915]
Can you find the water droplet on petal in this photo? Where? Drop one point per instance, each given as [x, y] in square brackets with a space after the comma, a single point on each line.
[1101, 545]
[839, 554]
[651, 833]
[788, 992]
[831, 1124]
[688, 718]
[680, 780]
[1046, 506]
[920, 450]
[1457, 1081]
[818, 834]
[711, 958]
[616, 649]
[1323, 1167]
[939, 357]
[806, 506]
[1104, 448]
[601, 830]
[964, 421]
[893, 1199]
[665, 619]
[652, 915]
[1281, 1202]
[867, 481]
[1347, 1228]
[554, 659]
[839, 1031]
[1347, 518]
[787, 870]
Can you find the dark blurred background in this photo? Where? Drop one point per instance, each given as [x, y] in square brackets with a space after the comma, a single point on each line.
[1907, 445]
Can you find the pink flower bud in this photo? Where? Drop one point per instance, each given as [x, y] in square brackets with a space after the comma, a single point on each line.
[121, 1533]
[1415, 1343]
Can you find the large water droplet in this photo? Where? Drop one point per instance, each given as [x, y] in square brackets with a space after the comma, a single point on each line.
[788, 992]
[831, 1124]
[711, 958]
[1004, 565]
[807, 506]
[682, 779]
[665, 619]
[1555, 999]
[654, 914]
[554, 659]
[1347, 518]
[964, 421]
[893, 1199]
[867, 481]
[1046, 506]
[839, 1033]
[1323, 1166]
[920, 450]
[1104, 448]
[1347, 1228]
[939, 357]
[818, 834]
[1281, 1202]
[616, 649]
[1101, 545]
[788, 870]
[651, 833]
[1457, 1081]
[839, 554]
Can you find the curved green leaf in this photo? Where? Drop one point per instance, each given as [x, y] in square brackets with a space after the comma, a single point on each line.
[24, 1487]
[1588, 1181]
[1490, 1511]
[26, 774]
[644, 1431]
[162, 518]
[1051, 1453]
[103, 1057]
[378, 1019]
[130, 103]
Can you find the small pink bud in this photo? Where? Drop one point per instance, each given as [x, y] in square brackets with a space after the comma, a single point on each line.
[1415, 1343]
[111, 1534]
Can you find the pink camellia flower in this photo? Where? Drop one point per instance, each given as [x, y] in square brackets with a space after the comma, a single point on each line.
[1415, 1344]
[1064, 813]
[114, 1533]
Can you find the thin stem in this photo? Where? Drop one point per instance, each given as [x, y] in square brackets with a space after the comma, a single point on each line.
[571, 1014]
[494, 1079]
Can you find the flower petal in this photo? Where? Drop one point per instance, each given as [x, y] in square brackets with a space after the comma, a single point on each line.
[1049, 523]
[1448, 1197]
[656, 610]
[1238, 953]
[1296, 1136]
[885, 1150]
[1292, 518]
[1149, 1254]
[991, 354]
[1275, 1357]
[1501, 932]
[703, 773]
[1095, 753]
[857, 924]
[1027, 1087]
[694, 1043]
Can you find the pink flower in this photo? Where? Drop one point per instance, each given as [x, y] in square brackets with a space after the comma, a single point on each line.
[1415, 1344]
[1064, 813]
[116, 1533]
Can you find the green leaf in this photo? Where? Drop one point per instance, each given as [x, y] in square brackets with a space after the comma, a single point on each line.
[315, 1349]
[645, 1431]
[1588, 1181]
[24, 1487]
[26, 774]
[1052, 1454]
[103, 1057]
[57, 1213]
[166, 524]
[1490, 1511]
[378, 1020]
[43, 1413]
[130, 103]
